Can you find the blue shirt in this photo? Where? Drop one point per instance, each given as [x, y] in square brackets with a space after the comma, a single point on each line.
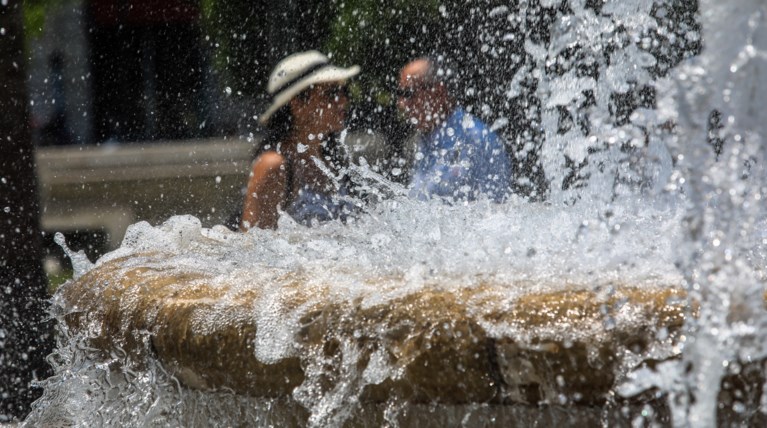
[312, 206]
[462, 159]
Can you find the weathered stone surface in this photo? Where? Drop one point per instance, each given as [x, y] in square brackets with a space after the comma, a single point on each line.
[433, 344]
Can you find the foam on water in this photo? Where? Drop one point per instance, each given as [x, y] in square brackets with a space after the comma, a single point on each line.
[400, 247]
[631, 243]
[404, 246]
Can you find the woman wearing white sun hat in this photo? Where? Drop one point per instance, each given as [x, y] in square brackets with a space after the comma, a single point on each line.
[308, 106]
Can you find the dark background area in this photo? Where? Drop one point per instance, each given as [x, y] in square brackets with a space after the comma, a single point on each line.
[184, 69]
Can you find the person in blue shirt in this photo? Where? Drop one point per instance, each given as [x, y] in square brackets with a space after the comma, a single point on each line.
[458, 157]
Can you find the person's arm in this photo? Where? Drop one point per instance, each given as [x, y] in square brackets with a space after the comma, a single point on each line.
[265, 192]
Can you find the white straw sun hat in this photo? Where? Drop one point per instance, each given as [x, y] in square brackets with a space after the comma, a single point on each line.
[296, 73]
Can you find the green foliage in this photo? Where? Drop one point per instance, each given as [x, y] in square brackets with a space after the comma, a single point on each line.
[381, 36]
[55, 280]
[247, 38]
[35, 12]
[34, 16]
[226, 23]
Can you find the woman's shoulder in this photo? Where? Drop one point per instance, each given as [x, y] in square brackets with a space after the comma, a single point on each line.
[268, 163]
[270, 158]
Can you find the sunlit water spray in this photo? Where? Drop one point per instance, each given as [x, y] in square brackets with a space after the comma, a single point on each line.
[723, 253]
[627, 215]
[400, 248]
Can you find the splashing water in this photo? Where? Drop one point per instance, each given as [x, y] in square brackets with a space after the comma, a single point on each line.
[80, 262]
[630, 202]
[394, 251]
[726, 222]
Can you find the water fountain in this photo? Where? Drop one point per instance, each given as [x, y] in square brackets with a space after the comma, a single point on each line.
[633, 298]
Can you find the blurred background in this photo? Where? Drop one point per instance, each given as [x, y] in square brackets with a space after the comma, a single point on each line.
[141, 109]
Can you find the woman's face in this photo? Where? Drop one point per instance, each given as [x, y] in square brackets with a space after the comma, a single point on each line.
[323, 109]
